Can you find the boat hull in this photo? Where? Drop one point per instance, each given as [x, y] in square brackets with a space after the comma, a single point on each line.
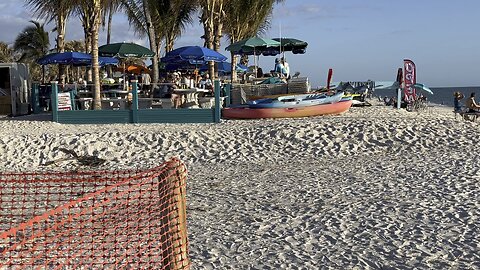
[315, 110]
[293, 101]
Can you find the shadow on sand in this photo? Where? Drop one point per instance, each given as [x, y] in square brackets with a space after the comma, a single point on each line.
[44, 117]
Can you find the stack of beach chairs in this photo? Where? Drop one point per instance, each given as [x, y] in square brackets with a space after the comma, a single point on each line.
[240, 93]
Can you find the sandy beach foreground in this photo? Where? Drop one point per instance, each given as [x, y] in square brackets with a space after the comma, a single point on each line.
[375, 188]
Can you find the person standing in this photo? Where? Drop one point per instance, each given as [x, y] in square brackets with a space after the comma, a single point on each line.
[146, 83]
[286, 66]
[280, 69]
[456, 101]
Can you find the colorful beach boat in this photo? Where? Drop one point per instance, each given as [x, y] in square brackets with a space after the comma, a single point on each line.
[295, 101]
[305, 111]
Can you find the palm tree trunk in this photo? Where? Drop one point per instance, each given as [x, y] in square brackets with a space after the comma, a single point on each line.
[152, 39]
[109, 35]
[88, 49]
[219, 16]
[97, 105]
[208, 28]
[61, 23]
[234, 68]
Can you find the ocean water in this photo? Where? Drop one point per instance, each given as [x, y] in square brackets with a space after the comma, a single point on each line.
[441, 95]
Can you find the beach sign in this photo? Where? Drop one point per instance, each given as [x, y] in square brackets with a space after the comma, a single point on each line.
[64, 102]
[410, 78]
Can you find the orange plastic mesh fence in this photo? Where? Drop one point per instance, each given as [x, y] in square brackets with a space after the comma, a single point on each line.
[94, 220]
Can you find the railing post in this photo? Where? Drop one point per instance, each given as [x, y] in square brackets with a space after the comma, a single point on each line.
[228, 91]
[54, 101]
[73, 94]
[134, 106]
[217, 110]
[35, 98]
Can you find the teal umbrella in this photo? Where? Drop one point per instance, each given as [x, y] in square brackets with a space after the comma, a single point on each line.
[124, 50]
[252, 45]
[423, 87]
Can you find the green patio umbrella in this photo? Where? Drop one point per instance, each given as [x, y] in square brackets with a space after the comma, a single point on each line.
[124, 50]
[250, 45]
[291, 44]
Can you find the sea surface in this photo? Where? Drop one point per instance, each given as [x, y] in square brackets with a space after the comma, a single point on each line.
[441, 95]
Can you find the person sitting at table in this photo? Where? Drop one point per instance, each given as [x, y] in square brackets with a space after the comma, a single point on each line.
[471, 104]
[187, 81]
[176, 99]
[206, 83]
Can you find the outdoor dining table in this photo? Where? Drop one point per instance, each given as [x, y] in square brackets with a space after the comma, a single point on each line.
[190, 96]
[115, 93]
[85, 103]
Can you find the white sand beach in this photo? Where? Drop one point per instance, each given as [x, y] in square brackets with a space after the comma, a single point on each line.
[375, 188]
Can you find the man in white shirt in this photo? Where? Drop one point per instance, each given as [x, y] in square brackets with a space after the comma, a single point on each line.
[146, 83]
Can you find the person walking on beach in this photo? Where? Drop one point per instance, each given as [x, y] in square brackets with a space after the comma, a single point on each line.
[456, 101]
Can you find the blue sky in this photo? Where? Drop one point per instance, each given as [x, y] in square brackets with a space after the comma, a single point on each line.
[359, 39]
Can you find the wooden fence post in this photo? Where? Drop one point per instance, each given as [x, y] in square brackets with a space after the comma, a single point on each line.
[174, 222]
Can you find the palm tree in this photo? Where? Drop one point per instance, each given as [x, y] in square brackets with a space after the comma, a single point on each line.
[161, 20]
[212, 18]
[90, 13]
[74, 46]
[32, 43]
[140, 13]
[6, 53]
[111, 7]
[254, 13]
[54, 10]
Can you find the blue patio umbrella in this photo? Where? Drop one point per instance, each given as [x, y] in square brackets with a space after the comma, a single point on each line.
[105, 61]
[74, 58]
[193, 54]
[65, 58]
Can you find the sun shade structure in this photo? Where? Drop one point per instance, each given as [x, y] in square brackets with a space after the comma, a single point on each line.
[75, 59]
[124, 50]
[135, 69]
[251, 46]
[193, 55]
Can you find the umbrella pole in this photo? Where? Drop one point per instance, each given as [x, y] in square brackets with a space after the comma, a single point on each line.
[255, 62]
[124, 77]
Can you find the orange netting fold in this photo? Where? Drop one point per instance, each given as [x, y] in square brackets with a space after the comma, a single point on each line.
[95, 220]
